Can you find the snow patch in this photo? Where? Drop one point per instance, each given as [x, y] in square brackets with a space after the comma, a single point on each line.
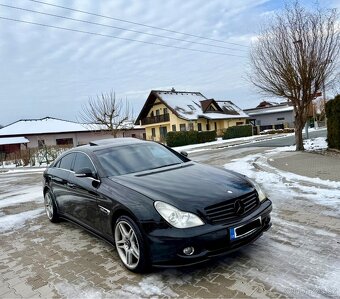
[11, 222]
[27, 195]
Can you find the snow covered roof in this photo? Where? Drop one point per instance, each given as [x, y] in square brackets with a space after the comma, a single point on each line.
[42, 126]
[192, 105]
[49, 125]
[269, 110]
[230, 108]
[13, 140]
[186, 104]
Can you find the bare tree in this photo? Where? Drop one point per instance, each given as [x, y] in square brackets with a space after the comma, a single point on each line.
[295, 55]
[105, 111]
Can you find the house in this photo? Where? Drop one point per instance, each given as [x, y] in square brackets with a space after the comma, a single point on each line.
[271, 115]
[32, 133]
[173, 110]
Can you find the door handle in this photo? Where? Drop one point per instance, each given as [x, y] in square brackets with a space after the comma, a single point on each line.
[104, 210]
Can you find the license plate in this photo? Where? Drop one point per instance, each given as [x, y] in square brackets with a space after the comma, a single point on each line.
[245, 229]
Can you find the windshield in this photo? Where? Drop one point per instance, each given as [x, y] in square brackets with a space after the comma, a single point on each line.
[136, 157]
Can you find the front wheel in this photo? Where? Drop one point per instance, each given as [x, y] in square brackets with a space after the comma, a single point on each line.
[130, 245]
[50, 207]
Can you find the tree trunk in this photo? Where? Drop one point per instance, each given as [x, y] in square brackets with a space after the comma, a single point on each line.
[299, 125]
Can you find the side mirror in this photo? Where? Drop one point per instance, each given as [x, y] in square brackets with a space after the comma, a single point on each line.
[85, 173]
[184, 153]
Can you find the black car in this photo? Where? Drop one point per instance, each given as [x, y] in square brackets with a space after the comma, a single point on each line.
[158, 207]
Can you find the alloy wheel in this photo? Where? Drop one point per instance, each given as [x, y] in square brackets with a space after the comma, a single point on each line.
[48, 205]
[127, 244]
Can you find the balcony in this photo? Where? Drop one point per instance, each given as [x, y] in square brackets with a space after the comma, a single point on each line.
[156, 119]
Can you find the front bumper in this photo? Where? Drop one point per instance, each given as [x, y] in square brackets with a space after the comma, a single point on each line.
[166, 244]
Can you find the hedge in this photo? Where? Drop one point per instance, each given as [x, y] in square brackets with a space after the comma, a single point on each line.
[189, 137]
[333, 122]
[238, 131]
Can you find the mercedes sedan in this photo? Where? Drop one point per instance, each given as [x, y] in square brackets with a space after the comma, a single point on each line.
[154, 204]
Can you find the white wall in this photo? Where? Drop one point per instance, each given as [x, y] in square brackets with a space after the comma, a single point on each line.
[79, 138]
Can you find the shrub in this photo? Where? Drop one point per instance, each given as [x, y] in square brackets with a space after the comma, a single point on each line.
[206, 136]
[189, 137]
[333, 122]
[238, 131]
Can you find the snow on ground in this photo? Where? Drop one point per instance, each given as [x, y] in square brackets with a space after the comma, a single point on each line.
[191, 148]
[14, 169]
[16, 197]
[276, 181]
[15, 221]
[152, 286]
[21, 197]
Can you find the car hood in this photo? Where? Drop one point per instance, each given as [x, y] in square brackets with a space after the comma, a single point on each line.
[189, 186]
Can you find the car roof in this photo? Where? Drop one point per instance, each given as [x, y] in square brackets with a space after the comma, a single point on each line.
[108, 143]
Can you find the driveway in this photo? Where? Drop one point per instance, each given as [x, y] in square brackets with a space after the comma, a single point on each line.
[298, 257]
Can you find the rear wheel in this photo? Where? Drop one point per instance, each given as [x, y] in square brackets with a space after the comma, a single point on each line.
[50, 207]
[130, 245]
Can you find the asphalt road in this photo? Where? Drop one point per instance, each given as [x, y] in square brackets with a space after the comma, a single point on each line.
[286, 141]
[222, 155]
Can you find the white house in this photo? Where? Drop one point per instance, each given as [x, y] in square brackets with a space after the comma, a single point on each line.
[31, 133]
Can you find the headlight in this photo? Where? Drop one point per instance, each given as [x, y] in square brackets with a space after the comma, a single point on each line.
[176, 217]
[261, 194]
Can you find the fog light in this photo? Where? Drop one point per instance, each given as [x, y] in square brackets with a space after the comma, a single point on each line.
[188, 250]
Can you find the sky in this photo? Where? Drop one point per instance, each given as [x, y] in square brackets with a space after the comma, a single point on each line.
[53, 72]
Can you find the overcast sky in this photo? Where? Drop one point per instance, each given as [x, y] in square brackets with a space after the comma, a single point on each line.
[52, 72]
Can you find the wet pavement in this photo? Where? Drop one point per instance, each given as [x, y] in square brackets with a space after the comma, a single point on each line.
[297, 258]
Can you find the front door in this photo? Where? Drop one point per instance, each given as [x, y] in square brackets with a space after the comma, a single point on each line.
[162, 132]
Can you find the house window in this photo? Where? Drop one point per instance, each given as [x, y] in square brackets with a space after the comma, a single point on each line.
[182, 127]
[133, 135]
[157, 112]
[65, 141]
[199, 127]
[174, 128]
[153, 132]
[41, 143]
[215, 124]
[151, 114]
[211, 108]
[239, 123]
[258, 122]
[191, 107]
[191, 126]
[280, 118]
[207, 127]
[165, 110]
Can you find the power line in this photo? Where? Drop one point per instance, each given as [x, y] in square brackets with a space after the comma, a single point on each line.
[116, 37]
[119, 28]
[136, 23]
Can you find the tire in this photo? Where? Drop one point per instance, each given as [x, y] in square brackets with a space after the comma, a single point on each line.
[50, 207]
[130, 245]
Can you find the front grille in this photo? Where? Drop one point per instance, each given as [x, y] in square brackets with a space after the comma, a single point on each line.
[231, 209]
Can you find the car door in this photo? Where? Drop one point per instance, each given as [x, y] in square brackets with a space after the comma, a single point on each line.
[58, 176]
[84, 191]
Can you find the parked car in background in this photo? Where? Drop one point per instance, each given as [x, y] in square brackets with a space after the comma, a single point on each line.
[154, 204]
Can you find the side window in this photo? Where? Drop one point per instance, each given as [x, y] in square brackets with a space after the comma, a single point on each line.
[83, 161]
[66, 162]
[57, 164]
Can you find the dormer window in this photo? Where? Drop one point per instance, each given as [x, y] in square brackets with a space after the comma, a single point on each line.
[211, 108]
[191, 107]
